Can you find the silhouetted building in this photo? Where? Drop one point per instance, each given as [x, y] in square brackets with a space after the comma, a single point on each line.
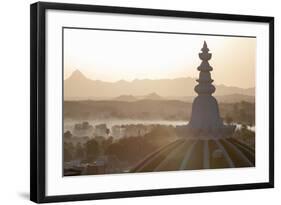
[206, 142]
[101, 130]
[205, 118]
[83, 129]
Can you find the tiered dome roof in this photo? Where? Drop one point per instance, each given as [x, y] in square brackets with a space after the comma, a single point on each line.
[192, 154]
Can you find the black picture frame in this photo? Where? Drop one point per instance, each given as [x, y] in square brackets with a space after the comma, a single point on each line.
[38, 100]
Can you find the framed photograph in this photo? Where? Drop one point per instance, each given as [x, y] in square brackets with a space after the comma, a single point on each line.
[129, 102]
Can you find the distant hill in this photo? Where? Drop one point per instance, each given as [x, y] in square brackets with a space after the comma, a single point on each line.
[150, 110]
[131, 98]
[78, 86]
[152, 96]
[125, 98]
[232, 98]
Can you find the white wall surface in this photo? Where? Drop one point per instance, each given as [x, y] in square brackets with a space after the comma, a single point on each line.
[14, 101]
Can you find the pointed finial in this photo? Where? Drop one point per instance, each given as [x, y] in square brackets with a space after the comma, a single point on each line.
[205, 47]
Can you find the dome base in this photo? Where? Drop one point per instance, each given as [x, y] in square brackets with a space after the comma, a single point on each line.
[188, 131]
[205, 113]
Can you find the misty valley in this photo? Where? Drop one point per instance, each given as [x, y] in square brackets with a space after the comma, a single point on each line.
[110, 136]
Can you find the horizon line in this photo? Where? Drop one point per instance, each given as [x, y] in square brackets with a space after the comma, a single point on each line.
[139, 79]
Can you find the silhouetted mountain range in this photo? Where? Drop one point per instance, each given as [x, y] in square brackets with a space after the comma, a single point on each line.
[153, 96]
[78, 86]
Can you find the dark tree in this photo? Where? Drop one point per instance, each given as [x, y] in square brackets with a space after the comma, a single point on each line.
[79, 154]
[228, 119]
[92, 149]
[68, 151]
[67, 134]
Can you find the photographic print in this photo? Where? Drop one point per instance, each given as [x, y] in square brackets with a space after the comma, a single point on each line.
[144, 101]
[130, 102]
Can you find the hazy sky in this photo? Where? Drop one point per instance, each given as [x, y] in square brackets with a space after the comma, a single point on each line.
[115, 55]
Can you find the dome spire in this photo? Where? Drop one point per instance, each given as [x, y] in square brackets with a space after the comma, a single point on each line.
[205, 81]
[205, 47]
[205, 117]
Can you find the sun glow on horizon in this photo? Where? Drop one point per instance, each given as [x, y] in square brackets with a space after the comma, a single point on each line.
[113, 56]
